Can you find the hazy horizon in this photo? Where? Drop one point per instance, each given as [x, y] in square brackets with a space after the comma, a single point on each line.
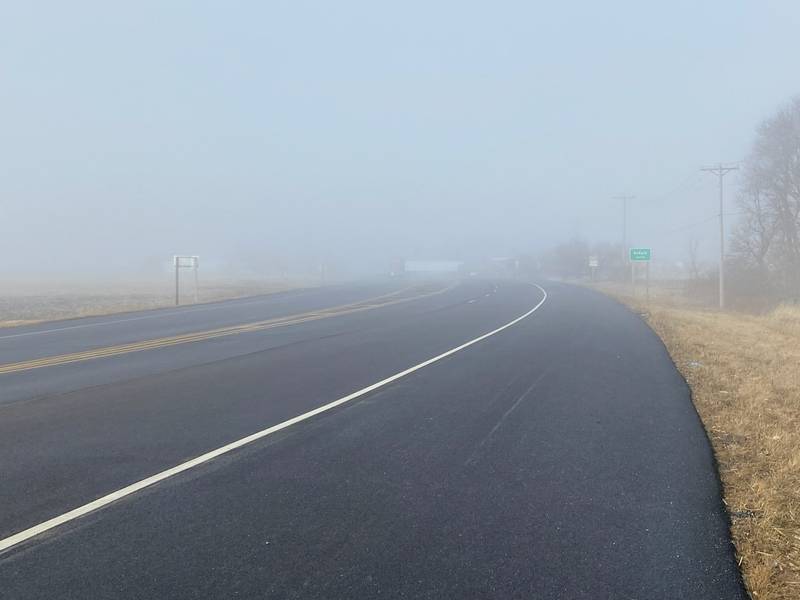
[277, 136]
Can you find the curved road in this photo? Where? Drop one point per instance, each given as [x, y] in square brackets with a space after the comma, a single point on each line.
[558, 457]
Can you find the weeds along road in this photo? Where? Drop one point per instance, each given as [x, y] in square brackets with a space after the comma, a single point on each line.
[490, 439]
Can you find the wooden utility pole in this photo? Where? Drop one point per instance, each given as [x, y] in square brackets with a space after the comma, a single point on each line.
[720, 171]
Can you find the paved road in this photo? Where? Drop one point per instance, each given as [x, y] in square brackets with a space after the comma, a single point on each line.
[559, 457]
[61, 338]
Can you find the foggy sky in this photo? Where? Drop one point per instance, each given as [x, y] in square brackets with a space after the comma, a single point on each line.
[295, 132]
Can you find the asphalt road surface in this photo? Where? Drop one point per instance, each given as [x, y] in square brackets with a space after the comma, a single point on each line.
[475, 439]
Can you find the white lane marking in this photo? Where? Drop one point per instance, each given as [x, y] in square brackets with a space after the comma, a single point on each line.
[99, 503]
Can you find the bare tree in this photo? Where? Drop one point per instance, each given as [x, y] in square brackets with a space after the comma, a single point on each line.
[570, 259]
[767, 238]
[754, 235]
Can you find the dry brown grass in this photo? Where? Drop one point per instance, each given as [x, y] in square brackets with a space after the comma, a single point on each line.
[786, 318]
[26, 303]
[744, 371]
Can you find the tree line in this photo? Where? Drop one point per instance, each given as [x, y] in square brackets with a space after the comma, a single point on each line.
[764, 258]
[766, 241]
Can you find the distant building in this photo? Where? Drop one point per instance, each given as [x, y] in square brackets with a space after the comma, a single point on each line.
[432, 267]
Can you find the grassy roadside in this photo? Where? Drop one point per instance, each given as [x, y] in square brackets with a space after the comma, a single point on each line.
[22, 304]
[744, 372]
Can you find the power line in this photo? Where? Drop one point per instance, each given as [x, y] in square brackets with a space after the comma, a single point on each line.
[688, 225]
[692, 178]
[624, 222]
[685, 226]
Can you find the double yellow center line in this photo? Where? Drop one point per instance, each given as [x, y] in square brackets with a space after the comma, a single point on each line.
[186, 338]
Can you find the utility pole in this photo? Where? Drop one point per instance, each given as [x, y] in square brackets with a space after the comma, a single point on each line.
[624, 225]
[720, 171]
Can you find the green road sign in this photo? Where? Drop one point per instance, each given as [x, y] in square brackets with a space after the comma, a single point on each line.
[640, 254]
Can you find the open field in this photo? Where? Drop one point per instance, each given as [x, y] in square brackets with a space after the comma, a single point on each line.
[744, 372]
[24, 302]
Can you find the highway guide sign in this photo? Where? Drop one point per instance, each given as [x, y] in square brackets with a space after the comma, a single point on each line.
[640, 254]
[594, 262]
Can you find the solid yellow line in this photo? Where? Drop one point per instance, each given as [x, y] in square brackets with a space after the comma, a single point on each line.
[186, 338]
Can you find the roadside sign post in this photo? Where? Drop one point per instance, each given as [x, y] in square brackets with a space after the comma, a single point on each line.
[641, 255]
[185, 262]
[594, 262]
[177, 280]
[196, 284]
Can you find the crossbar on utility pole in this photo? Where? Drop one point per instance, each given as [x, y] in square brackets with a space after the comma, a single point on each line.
[720, 171]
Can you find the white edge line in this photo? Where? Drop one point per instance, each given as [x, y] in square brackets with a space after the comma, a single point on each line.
[103, 501]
